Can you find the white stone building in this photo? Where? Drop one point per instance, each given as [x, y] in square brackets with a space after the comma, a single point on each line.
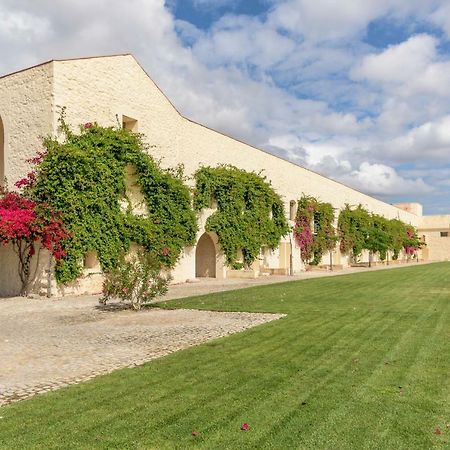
[103, 89]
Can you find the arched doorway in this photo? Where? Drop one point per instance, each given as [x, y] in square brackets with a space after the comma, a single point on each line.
[2, 153]
[205, 257]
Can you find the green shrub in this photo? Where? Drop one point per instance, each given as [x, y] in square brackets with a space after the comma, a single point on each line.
[136, 280]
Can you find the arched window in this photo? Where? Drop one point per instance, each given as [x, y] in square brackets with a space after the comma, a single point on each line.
[2, 154]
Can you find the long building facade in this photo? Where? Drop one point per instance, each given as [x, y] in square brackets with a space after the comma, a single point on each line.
[116, 88]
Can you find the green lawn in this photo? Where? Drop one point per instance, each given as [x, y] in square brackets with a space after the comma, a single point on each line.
[360, 361]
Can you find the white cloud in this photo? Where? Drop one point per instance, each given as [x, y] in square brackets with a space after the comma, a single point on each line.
[379, 179]
[441, 17]
[430, 140]
[326, 19]
[321, 20]
[410, 68]
[398, 63]
[20, 25]
[299, 81]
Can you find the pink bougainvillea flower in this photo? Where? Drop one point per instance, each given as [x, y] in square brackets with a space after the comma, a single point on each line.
[36, 160]
[87, 125]
[24, 219]
[195, 433]
[245, 426]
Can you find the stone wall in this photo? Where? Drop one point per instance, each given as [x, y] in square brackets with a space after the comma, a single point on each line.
[436, 232]
[124, 91]
[27, 113]
[116, 90]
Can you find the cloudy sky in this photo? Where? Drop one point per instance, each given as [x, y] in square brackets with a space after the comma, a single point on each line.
[358, 90]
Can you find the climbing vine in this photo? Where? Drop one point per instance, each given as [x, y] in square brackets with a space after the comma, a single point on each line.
[249, 212]
[314, 230]
[378, 238]
[353, 226]
[360, 230]
[83, 177]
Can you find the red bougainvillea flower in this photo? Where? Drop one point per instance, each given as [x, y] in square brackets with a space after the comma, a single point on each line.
[245, 426]
[87, 125]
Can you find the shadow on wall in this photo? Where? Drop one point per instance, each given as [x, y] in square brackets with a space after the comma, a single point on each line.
[10, 285]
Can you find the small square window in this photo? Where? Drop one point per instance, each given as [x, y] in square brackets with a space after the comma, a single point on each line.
[444, 233]
[130, 124]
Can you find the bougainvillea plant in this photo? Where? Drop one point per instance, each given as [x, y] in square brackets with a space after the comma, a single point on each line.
[411, 242]
[26, 224]
[314, 229]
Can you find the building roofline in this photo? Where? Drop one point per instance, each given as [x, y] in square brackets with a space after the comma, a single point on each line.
[62, 60]
[201, 124]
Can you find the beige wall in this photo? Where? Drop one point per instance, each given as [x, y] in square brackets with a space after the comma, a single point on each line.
[109, 89]
[90, 97]
[436, 230]
[10, 284]
[435, 222]
[414, 208]
[27, 115]
[124, 89]
[437, 246]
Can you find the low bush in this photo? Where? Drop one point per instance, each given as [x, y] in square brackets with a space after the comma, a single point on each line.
[136, 280]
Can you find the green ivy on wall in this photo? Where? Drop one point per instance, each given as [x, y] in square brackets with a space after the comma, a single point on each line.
[249, 212]
[353, 227]
[360, 230]
[84, 178]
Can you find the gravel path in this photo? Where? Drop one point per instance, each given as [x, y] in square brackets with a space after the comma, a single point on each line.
[46, 344]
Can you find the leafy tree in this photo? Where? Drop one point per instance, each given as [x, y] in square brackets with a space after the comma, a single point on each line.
[377, 239]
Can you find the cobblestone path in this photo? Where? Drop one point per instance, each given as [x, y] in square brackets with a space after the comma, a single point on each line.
[46, 344]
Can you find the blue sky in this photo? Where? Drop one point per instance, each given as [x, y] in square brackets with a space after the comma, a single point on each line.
[356, 90]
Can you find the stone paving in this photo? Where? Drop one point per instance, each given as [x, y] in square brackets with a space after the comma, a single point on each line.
[47, 344]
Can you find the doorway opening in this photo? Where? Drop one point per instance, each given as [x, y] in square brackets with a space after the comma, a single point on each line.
[205, 257]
